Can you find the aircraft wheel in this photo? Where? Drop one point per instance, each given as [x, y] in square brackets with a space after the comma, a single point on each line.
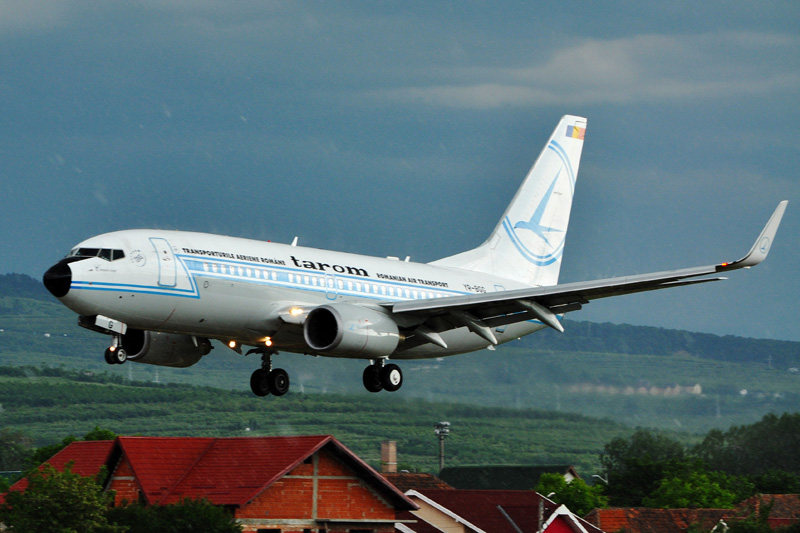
[391, 377]
[117, 355]
[372, 378]
[110, 356]
[278, 381]
[258, 383]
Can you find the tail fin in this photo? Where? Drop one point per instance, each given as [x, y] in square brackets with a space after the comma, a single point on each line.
[528, 242]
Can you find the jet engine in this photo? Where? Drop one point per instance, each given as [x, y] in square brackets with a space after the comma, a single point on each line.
[351, 330]
[164, 349]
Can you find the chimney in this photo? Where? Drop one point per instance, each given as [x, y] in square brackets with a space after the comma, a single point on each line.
[389, 457]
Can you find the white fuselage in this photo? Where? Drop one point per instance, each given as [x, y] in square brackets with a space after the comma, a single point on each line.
[231, 288]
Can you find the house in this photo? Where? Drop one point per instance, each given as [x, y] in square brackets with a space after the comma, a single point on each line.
[784, 510]
[504, 477]
[489, 511]
[405, 481]
[646, 520]
[307, 484]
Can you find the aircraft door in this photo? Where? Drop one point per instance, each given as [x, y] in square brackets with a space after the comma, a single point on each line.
[167, 269]
[330, 286]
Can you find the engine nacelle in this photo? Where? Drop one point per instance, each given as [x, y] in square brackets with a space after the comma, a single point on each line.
[163, 349]
[350, 330]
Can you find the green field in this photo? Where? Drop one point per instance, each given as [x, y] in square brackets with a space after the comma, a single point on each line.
[48, 408]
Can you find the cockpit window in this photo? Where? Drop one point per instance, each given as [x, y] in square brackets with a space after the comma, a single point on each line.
[104, 253]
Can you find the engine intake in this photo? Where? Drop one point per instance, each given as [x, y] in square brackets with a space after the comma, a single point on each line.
[352, 330]
[164, 349]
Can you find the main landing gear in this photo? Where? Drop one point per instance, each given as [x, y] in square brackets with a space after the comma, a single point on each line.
[115, 354]
[379, 376]
[267, 380]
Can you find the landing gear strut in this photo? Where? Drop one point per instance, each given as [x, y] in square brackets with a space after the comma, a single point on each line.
[380, 376]
[116, 354]
[267, 380]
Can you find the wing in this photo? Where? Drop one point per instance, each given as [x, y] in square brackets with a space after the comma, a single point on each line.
[482, 312]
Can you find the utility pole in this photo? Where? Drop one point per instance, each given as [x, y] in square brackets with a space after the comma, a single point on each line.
[442, 430]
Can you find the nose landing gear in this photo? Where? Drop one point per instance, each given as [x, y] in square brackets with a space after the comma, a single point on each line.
[116, 354]
[380, 376]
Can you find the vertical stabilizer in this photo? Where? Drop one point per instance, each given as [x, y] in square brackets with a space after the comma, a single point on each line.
[528, 242]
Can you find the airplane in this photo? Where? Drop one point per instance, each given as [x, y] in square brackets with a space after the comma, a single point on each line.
[163, 296]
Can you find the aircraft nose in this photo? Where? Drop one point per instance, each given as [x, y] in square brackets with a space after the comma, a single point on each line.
[58, 277]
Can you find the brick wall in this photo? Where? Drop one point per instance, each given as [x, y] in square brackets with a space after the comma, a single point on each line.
[340, 496]
[125, 484]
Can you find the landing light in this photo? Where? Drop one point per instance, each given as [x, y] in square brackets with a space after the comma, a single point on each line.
[268, 341]
[294, 311]
[231, 344]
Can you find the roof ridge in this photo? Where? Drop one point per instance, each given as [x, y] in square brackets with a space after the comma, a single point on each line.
[121, 440]
[323, 440]
[189, 469]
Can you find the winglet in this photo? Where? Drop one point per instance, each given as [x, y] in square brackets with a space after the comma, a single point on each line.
[762, 245]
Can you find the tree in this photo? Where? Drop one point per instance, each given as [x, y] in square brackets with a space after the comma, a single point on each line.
[186, 516]
[14, 446]
[635, 466]
[698, 488]
[776, 482]
[579, 497]
[770, 444]
[58, 502]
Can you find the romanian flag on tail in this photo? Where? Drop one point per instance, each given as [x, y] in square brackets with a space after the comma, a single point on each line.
[575, 132]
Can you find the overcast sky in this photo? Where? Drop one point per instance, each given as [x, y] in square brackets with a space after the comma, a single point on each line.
[405, 129]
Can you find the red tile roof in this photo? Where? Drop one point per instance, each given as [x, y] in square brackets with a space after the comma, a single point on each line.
[406, 481]
[645, 520]
[226, 471]
[785, 510]
[87, 457]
